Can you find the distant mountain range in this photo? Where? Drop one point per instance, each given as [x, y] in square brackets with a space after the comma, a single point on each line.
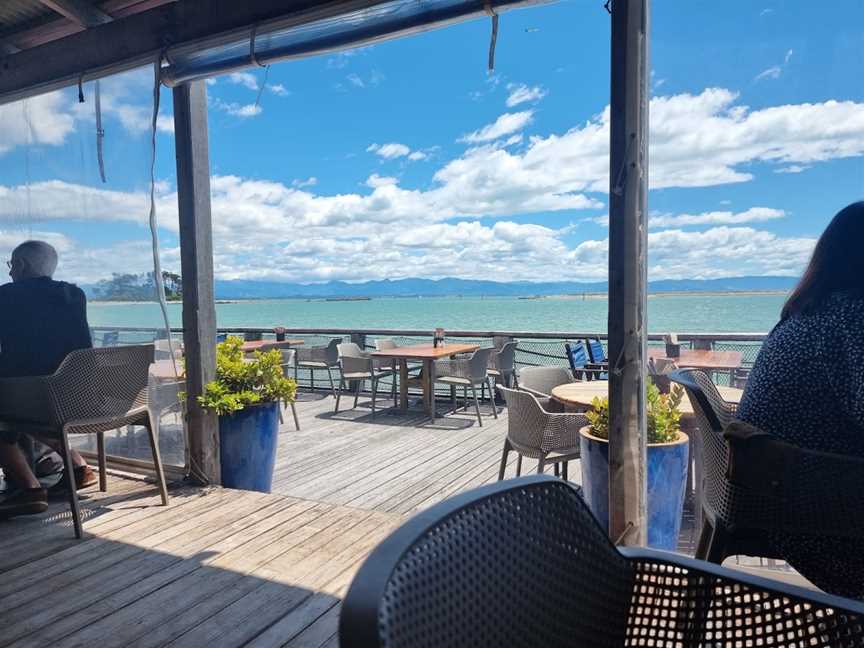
[247, 289]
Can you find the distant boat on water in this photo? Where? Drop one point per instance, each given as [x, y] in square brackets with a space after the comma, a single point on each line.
[348, 299]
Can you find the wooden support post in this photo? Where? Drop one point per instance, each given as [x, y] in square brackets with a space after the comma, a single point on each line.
[196, 262]
[628, 243]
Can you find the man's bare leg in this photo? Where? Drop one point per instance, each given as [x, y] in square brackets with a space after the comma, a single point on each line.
[13, 461]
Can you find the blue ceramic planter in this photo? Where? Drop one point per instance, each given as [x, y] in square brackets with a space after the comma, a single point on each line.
[248, 447]
[667, 483]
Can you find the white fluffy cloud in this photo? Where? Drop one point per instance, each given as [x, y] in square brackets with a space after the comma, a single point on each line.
[521, 93]
[395, 150]
[504, 125]
[389, 151]
[752, 215]
[246, 79]
[236, 109]
[41, 120]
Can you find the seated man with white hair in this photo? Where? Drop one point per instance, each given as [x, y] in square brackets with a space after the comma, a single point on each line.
[41, 322]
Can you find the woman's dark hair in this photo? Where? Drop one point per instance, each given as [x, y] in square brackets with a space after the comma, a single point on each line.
[837, 264]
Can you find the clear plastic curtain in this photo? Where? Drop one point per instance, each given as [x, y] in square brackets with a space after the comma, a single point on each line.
[77, 174]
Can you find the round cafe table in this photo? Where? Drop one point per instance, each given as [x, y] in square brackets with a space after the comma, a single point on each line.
[579, 395]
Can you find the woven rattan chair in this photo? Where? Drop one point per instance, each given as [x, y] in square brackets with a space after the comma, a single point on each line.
[540, 381]
[502, 365]
[317, 358]
[533, 432]
[92, 391]
[759, 488]
[469, 372]
[522, 563]
[356, 365]
[288, 361]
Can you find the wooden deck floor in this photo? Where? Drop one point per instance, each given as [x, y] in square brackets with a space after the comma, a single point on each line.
[221, 567]
[215, 568]
[395, 463]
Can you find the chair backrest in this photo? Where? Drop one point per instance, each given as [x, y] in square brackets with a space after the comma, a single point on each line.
[350, 350]
[504, 359]
[288, 356]
[519, 563]
[332, 352]
[526, 418]
[384, 344]
[721, 499]
[577, 356]
[479, 363]
[99, 383]
[596, 350]
[544, 379]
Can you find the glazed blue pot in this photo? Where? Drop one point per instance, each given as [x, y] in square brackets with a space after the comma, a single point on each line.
[667, 484]
[248, 447]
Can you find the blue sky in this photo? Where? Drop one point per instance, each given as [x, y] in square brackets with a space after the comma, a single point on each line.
[408, 159]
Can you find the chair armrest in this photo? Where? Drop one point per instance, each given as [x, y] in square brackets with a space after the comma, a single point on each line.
[533, 392]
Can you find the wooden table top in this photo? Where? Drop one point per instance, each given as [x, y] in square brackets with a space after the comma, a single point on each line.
[699, 359]
[582, 393]
[267, 345]
[425, 351]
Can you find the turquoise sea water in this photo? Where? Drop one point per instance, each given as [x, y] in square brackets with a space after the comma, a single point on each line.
[681, 313]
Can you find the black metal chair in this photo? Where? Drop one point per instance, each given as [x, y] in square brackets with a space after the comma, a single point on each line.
[523, 563]
[759, 489]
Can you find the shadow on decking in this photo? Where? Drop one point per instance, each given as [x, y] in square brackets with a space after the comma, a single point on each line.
[216, 567]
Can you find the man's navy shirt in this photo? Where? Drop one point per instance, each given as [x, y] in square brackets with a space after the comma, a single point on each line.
[41, 322]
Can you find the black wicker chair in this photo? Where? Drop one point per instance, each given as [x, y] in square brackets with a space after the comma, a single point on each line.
[523, 563]
[759, 488]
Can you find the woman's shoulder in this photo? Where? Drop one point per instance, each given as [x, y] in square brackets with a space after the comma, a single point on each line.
[845, 306]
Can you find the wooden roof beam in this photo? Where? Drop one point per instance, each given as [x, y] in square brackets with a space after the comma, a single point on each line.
[79, 11]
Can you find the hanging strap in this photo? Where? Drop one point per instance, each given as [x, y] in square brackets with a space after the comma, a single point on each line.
[254, 58]
[493, 40]
[100, 132]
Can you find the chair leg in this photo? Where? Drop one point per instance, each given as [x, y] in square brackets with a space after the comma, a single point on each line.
[294, 414]
[332, 385]
[717, 545]
[541, 465]
[338, 395]
[393, 389]
[477, 406]
[312, 379]
[103, 463]
[453, 398]
[357, 392]
[374, 394]
[504, 459]
[704, 540]
[157, 463]
[492, 397]
[483, 390]
[519, 465]
[564, 470]
[556, 469]
[70, 478]
[465, 399]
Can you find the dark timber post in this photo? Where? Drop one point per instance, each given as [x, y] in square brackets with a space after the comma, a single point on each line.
[628, 243]
[196, 262]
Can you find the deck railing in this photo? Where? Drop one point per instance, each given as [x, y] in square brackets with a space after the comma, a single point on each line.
[535, 347]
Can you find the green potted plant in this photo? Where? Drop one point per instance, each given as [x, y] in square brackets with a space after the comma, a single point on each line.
[667, 464]
[246, 396]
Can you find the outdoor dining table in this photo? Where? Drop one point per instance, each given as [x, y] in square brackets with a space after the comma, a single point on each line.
[704, 359]
[428, 354]
[579, 396]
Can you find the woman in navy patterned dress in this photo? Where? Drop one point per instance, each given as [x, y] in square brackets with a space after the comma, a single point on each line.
[807, 386]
